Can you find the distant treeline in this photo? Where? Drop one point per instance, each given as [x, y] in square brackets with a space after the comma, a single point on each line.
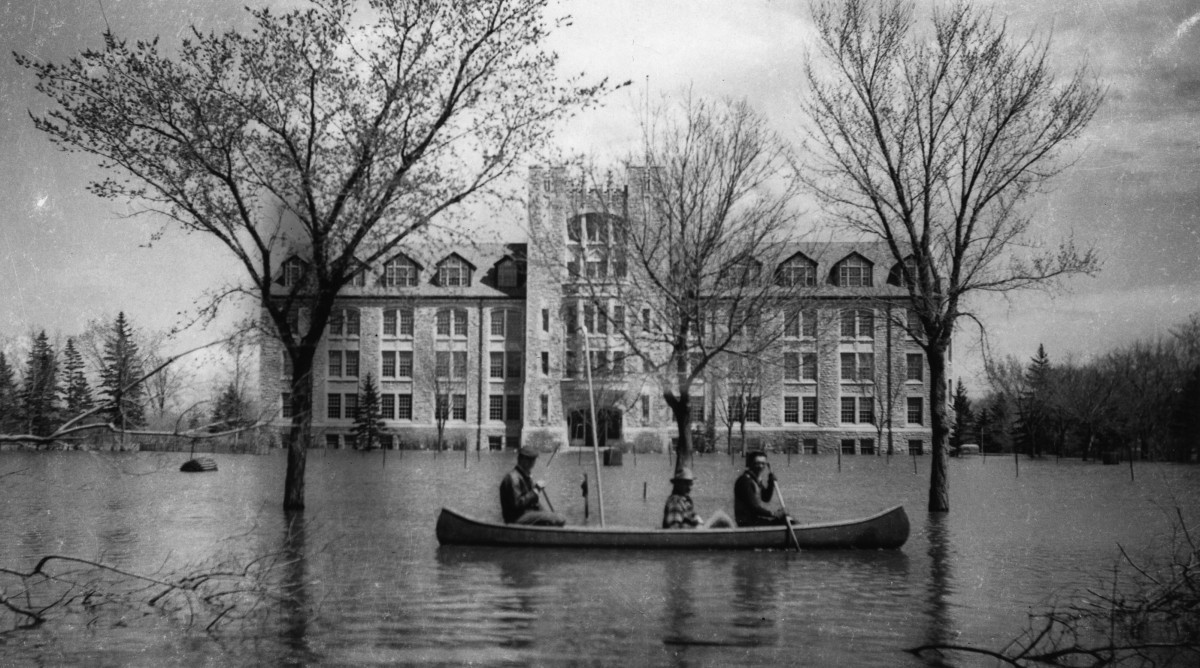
[1140, 401]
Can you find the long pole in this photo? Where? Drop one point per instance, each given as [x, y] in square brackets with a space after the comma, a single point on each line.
[587, 353]
[788, 519]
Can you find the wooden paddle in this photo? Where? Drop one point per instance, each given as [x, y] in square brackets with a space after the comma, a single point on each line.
[791, 531]
[551, 505]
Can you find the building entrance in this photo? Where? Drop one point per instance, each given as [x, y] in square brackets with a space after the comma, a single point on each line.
[608, 425]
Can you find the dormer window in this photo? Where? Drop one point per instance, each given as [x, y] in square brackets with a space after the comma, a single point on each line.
[896, 275]
[854, 272]
[293, 272]
[399, 272]
[454, 272]
[507, 275]
[796, 271]
[743, 271]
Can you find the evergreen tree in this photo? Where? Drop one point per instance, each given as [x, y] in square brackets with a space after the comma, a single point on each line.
[10, 399]
[121, 367]
[39, 396]
[368, 422]
[230, 409]
[77, 392]
[1032, 412]
[964, 418]
[1185, 420]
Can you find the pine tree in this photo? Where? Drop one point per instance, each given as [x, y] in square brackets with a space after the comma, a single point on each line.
[230, 409]
[964, 417]
[368, 422]
[39, 396]
[1032, 413]
[122, 366]
[77, 393]
[10, 399]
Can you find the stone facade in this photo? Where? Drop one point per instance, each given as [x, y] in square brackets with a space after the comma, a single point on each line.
[541, 403]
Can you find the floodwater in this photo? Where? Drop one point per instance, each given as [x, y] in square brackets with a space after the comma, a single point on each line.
[367, 584]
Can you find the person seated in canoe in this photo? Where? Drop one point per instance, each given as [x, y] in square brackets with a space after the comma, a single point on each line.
[519, 502]
[752, 493]
[680, 513]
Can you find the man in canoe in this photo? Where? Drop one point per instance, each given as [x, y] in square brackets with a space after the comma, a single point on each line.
[519, 500]
[752, 493]
[680, 513]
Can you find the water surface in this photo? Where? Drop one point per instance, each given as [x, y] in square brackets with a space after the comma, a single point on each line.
[369, 584]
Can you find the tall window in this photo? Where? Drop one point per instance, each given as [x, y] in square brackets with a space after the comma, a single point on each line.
[399, 273]
[854, 272]
[645, 409]
[334, 404]
[351, 363]
[545, 363]
[791, 409]
[545, 407]
[496, 407]
[857, 409]
[858, 324]
[791, 367]
[512, 407]
[858, 367]
[808, 409]
[458, 407]
[286, 405]
[335, 363]
[451, 364]
[808, 366]
[499, 322]
[344, 322]
[797, 271]
[497, 364]
[452, 322]
[454, 272]
[916, 410]
[387, 406]
[916, 367]
[404, 364]
[403, 406]
[398, 322]
[800, 323]
[388, 364]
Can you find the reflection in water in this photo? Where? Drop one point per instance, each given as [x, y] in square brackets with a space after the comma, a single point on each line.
[938, 591]
[755, 601]
[297, 600]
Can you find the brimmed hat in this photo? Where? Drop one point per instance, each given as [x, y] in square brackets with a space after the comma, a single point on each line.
[528, 451]
[685, 474]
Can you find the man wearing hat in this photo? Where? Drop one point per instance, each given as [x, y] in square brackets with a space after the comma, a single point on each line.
[680, 513]
[519, 500]
[752, 493]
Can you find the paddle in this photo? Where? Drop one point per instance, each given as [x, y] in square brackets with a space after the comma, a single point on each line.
[783, 505]
[547, 498]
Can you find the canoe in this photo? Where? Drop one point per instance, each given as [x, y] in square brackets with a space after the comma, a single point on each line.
[883, 531]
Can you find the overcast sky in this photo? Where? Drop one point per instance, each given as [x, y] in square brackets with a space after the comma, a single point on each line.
[67, 257]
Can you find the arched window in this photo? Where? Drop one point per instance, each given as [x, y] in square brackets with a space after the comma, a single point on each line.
[452, 322]
[858, 323]
[398, 322]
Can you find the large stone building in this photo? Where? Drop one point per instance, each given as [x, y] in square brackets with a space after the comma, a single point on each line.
[490, 335]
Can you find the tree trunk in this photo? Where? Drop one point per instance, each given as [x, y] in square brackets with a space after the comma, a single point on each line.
[939, 484]
[300, 434]
[681, 409]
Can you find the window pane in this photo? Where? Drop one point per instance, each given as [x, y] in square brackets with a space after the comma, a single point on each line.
[496, 407]
[405, 324]
[387, 406]
[916, 366]
[459, 409]
[848, 409]
[865, 413]
[442, 363]
[808, 366]
[513, 359]
[498, 320]
[352, 363]
[849, 366]
[512, 408]
[916, 410]
[460, 322]
[460, 364]
[791, 409]
[404, 364]
[791, 366]
[403, 406]
[335, 363]
[389, 364]
[335, 406]
[497, 365]
[808, 409]
[389, 322]
[443, 322]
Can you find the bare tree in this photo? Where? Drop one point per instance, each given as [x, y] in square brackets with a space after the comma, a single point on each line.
[688, 262]
[931, 141]
[328, 135]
